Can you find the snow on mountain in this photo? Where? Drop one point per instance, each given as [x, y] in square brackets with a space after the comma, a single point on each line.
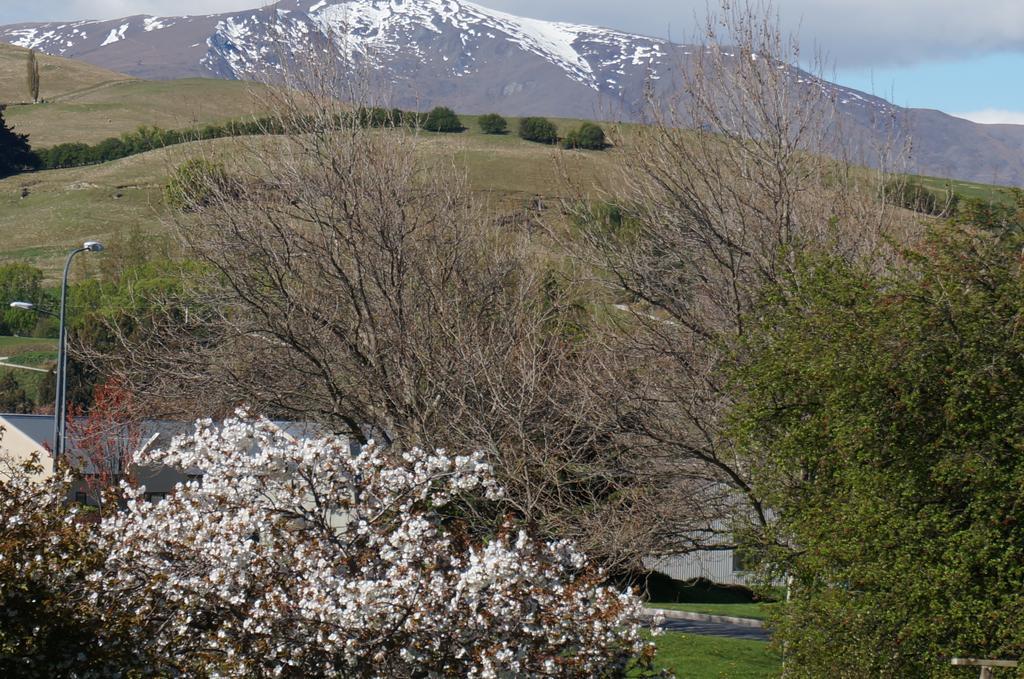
[379, 31]
[384, 30]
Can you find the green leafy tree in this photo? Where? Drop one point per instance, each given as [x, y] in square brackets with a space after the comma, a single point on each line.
[1001, 217]
[540, 130]
[442, 119]
[492, 123]
[33, 76]
[15, 153]
[13, 398]
[884, 417]
[195, 184]
[19, 282]
[914, 195]
[587, 136]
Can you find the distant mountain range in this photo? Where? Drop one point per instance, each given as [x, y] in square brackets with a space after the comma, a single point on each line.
[477, 60]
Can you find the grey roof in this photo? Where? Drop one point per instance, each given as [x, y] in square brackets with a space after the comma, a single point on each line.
[39, 428]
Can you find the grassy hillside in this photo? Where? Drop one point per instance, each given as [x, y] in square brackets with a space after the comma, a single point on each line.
[64, 207]
[987, 192]
[111, 109]
[58, 77]
[85, 103]
[44, 214]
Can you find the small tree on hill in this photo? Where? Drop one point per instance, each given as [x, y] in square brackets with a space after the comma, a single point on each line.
[33, 76]
[492, 123]
[442, 119]
[15, 153]
[540, 130]
[194, 184]
[587, 136]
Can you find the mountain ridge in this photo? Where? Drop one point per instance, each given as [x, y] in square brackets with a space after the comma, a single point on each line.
[476, 60]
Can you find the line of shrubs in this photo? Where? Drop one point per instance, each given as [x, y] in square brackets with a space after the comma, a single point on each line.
[541, 130]
[75, 154]
[439, 119]
[1001, 212]
[146, 139]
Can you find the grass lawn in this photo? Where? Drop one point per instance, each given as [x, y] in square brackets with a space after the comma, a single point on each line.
[13, 346]
[34, 359]
[28, 351]
[756, 611]
[696, 657]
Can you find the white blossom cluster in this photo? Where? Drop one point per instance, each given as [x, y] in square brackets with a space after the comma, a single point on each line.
[34, 552]
[297, 558]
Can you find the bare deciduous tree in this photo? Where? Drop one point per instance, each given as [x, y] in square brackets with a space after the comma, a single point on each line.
[348, 276]
[745, 167]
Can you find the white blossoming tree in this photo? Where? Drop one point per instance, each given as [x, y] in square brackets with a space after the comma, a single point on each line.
[298, 558]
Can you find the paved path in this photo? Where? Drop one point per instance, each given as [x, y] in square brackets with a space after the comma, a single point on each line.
[709, 625]
[716, 629]
[19, 367]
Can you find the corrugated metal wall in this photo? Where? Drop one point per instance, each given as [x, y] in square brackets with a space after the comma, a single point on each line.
[715, 566]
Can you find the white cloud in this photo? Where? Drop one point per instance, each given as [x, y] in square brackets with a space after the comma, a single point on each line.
[853, 33]
[993, 116]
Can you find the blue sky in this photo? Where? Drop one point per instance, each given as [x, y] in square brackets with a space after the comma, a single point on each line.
[960, 56]
[988, 88]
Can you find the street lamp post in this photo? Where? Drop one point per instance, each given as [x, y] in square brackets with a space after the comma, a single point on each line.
[60, 401]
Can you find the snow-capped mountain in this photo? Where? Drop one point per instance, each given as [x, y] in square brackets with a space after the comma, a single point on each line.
[475, 60]
[431, 51]
[427, 48]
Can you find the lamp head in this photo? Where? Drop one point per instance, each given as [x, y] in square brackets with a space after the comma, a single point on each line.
[24, 306]
[93, 246]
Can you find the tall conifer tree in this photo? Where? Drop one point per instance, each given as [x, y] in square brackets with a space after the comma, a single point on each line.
[15, 153]
[33, 76]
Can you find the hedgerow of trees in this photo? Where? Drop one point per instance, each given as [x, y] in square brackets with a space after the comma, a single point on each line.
[142, 140]
[148, 138]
